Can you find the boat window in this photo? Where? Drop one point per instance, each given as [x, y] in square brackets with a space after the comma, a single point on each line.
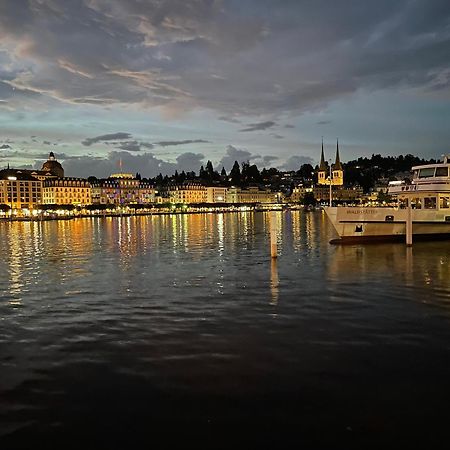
[426, 173]
[442, 171]
[430, 203]
[444, 202]
[416, 203]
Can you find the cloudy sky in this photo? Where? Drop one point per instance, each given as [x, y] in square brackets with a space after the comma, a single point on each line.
[169, 84]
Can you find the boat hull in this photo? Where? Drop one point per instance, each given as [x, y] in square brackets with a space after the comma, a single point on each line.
[386, 224]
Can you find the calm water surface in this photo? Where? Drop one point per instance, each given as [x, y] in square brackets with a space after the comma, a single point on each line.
[180, 329]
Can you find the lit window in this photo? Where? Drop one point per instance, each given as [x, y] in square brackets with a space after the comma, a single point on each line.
[444, 202]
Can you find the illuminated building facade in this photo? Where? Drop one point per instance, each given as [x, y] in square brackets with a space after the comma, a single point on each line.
[66, 191]
[322, 193]
[251, 195]
[323, 175]
[188, 192]
[216, 194]
[122, 189]
[19, 189]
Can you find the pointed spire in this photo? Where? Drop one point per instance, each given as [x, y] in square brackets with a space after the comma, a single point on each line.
[337, 164]
[322, 165]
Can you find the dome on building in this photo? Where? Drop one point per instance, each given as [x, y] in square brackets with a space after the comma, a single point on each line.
[52, 166]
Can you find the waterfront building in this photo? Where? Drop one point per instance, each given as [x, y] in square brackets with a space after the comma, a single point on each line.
[299, 192]
[52, 168]
[216, 194]
[19, 189]
[340, 194]
[322, 193]
[66, 191]
[122, 189]
[188, 192]
[252, 194]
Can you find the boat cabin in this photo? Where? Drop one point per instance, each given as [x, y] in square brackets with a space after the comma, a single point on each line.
[429, 189]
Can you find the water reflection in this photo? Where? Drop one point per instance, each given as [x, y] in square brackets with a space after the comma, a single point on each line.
[166, 309]
[274, 281]
[421, 272]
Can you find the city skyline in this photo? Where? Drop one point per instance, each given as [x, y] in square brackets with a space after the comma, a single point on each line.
[166, 86]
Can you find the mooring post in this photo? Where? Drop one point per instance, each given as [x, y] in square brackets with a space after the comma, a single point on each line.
[409, 225]
[273, 234]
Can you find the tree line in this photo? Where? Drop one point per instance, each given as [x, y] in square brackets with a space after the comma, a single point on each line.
[363, 171]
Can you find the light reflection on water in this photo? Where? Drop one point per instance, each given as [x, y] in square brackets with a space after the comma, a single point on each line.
[194, 304]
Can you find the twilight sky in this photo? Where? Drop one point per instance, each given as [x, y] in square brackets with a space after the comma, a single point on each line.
[169, 84]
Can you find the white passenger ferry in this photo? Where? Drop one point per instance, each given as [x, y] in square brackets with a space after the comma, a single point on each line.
[423, 205]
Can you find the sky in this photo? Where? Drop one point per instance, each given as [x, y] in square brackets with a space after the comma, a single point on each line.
[165, 85]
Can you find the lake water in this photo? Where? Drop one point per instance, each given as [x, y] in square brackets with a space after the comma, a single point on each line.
[177, 330]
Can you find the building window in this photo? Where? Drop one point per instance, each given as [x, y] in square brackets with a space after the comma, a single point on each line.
[429, 203]
[444, 202]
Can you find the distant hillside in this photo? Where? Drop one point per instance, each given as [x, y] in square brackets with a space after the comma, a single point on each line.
[366, 171]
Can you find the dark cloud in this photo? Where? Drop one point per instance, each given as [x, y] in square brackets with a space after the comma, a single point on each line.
[289, 126]
[323, 122]
[4, 146]
[248, 57]
[295, 162]
[190, 161]
[24, 166]
[37, 156]
[147, 164]
[233, 154]
[46, 142]
[277, 136]
[259, 126]
[229, 119]
[269, 158]
[130, 146]
[189, 141]
[106, 137]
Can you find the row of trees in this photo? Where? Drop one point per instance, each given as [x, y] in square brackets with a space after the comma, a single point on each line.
[242, 174]
[367, 171]
[364, 172]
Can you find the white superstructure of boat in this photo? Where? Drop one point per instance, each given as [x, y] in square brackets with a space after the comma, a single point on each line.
[425, 203]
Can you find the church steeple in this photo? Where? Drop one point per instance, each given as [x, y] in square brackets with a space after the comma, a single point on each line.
[322, 165]
[337, 170]
[337, 164]
[322, 173]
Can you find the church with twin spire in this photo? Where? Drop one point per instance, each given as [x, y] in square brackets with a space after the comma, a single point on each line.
[337, 173]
